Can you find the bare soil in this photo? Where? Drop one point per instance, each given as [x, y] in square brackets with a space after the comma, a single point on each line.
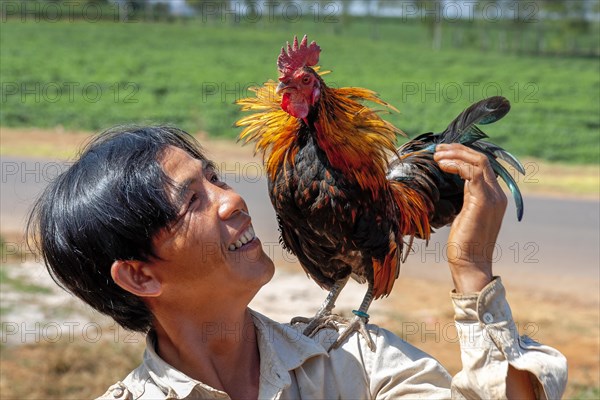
[81, 363]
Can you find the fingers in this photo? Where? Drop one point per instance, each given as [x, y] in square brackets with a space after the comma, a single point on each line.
[474, 167]
[469, 164]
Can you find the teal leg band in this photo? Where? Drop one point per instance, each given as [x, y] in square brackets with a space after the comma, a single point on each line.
[360, 314]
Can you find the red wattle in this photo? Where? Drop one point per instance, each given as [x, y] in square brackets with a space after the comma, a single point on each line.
[285, 102]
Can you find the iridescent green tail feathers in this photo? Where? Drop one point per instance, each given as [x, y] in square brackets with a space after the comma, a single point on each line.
[415, 166]
[464, 130]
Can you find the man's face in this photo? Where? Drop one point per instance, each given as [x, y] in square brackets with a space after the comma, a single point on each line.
[210, 251]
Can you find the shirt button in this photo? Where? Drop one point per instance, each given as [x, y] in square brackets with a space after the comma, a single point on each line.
[118, 392]
[488, 318]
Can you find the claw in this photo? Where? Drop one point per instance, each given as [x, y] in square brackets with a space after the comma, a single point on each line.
[358, 324]
[319, 322]
[300, 320]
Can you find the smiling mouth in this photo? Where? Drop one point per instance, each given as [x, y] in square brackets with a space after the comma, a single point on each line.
[246, 237]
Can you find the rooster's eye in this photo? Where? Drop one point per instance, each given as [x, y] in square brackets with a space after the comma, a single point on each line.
[306, 79]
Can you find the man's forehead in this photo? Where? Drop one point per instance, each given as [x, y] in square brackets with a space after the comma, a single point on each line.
[183, 170]
[178, 164]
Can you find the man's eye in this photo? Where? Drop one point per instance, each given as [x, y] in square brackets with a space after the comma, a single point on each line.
[214, 178]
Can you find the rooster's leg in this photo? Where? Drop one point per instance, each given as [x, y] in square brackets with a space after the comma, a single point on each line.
[323, 317]
[359, 323]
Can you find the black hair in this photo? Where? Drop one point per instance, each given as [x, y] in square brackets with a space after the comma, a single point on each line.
[108, 206]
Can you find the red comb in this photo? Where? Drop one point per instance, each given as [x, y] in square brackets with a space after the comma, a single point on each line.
[297, 56]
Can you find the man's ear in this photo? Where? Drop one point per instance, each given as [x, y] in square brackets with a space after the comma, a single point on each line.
[136, 277]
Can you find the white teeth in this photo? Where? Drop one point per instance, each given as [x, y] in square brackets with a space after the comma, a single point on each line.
[246, 237]
[250, 233]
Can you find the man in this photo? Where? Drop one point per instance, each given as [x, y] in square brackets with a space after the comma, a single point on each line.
[142, 229]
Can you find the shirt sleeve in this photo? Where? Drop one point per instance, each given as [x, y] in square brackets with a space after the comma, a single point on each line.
[490, 342]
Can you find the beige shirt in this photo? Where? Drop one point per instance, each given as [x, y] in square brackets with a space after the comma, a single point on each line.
[293, 366]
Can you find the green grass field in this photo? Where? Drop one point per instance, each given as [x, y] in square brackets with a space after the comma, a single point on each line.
[90, 76]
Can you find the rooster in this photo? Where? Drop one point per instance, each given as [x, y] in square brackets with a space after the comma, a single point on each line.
[344, 196]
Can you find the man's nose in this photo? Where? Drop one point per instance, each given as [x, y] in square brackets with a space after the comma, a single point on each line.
[231, 203]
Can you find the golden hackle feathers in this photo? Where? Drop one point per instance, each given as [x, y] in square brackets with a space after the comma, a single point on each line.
[355, 138]
[273, 130]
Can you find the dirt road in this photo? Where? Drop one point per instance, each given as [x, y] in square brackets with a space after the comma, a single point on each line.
[555, 248]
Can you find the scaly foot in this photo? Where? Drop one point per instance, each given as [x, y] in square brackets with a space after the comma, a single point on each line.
[358, 324]
[318, 322]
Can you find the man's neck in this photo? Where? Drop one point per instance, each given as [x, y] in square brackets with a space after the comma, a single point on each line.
[221, 352]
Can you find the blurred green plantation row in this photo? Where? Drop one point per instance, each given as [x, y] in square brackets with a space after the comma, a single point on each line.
[90, 76]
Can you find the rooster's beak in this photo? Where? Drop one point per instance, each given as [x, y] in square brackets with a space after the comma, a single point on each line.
[280, 87]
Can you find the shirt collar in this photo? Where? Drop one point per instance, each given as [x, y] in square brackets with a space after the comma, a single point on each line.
[170, 380]
[282, 348]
